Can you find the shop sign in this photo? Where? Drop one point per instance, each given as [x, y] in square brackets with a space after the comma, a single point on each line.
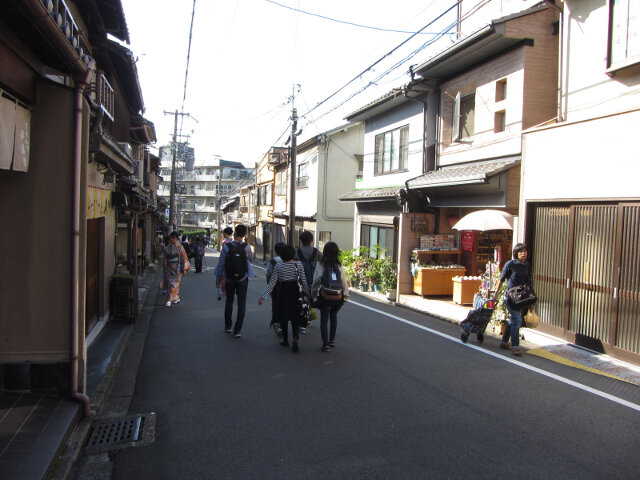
[98, 202]
[466, 240]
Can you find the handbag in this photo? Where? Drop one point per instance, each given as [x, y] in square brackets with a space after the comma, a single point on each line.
[521, 296]
[532, 319]
[304, 306]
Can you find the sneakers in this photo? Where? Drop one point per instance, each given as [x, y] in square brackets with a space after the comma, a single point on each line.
[168, 304]
[505, 346]
[227, 330]
[302, 330]
[236, 335]
[176, 300]
[516, 351]
[326, 348]
[332, 343]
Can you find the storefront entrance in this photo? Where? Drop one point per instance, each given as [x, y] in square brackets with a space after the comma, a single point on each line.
[587, 272]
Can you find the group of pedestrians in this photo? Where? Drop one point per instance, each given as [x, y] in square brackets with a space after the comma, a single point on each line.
[305, 270]
[290, 273]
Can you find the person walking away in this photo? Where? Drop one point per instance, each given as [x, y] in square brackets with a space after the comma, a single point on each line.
[227, 236]
[197, 248]
[308, 255]
[275, 324]
[516, 272]
[176, 264]
[287, 276]
[186, 246]
[235, 268]
[331, 288]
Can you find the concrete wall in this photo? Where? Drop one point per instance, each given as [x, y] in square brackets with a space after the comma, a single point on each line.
[411, 114]
[35, 305]
[337, 175]
[587, 90]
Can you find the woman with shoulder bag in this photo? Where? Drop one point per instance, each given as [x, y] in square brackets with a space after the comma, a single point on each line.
[330, 285]
[516, 272]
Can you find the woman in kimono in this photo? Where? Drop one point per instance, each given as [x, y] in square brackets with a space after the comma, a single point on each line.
[176, 264]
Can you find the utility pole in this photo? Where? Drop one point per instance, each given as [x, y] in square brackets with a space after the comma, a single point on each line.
[220, 204]
[292, 160]
[172, 189]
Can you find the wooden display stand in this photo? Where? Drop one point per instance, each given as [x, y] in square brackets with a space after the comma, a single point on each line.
[435, 281]
[464, 290]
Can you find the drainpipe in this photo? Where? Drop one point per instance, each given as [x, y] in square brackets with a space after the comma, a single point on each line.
[75, 276]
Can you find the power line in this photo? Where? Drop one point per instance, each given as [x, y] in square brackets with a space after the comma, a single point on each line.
[381, 59]
[186, 73]
[347, 23]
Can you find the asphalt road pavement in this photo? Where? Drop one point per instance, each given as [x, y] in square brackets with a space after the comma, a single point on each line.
[400, 397]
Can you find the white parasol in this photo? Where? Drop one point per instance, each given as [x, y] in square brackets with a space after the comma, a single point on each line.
[484, 220]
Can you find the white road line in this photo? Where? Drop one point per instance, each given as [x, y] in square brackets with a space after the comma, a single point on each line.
[517, 363]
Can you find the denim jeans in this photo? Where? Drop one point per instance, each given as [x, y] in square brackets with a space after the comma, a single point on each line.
[513, 328]
[233, 289]
[329, 313]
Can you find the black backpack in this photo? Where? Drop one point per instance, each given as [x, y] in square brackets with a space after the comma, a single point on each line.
[308, 265]
[235, 265]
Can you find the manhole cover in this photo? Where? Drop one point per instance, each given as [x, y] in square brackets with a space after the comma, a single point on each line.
[132, 431]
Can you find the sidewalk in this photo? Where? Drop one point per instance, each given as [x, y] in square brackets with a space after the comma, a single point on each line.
[35, 429]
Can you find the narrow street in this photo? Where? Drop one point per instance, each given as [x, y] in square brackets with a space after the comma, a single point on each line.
[399, 397]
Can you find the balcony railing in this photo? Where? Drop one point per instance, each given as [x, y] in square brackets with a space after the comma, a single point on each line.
[105, 96]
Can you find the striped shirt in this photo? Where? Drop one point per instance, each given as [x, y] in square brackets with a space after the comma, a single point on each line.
[286, 272]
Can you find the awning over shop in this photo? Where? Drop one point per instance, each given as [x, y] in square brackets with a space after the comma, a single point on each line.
[370, 195]
[482, 183]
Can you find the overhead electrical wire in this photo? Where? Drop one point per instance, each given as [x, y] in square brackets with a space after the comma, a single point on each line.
[344, 22]
[186, 73]
[381, 59]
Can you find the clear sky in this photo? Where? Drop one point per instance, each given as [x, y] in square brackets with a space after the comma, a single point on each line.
[247, 55]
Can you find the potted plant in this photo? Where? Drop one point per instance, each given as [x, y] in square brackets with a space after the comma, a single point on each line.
[389, 277]
[374, 272]
[500, 315]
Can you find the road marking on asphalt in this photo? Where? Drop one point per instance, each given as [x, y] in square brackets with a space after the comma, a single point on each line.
[499, 356]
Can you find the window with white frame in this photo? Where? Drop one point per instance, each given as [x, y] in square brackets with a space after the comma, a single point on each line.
[624, 32]
[464, 108]
[281, 183]
[391, 151]
[302, 178]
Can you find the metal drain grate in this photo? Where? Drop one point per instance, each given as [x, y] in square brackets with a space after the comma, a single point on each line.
[125, 432]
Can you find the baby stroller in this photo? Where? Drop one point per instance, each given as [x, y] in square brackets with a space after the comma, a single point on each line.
[476, 322]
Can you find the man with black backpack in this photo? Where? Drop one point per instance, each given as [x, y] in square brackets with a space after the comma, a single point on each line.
[235, 267]
[309, 256]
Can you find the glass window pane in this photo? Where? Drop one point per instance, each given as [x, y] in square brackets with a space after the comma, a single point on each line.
[386, 164]
[395, 149]
[373, 240]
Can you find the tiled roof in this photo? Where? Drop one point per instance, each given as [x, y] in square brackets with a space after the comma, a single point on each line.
[369, 194]
[476, 172]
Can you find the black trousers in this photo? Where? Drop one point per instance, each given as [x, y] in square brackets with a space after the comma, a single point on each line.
[287, 309]
[233, 289]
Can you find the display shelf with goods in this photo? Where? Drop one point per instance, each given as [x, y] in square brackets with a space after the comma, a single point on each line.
[479, 248]
[432, 271]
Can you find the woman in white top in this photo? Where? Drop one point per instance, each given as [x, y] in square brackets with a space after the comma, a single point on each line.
[330, 286]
